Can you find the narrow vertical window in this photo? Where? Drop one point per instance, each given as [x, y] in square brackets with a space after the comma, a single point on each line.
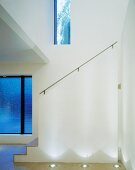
[62, 21]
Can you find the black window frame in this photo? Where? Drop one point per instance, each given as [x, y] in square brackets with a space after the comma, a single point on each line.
[22, 123]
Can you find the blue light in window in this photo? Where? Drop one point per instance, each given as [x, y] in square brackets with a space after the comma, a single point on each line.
[10, 105]
[14, 110]
[62, 21]
[28, 105]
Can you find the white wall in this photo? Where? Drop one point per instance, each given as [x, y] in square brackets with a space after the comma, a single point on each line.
[94, 25]
[128, 119]
[78, 117]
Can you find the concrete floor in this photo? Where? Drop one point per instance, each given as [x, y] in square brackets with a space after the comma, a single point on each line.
[6, 162]
[64, 166]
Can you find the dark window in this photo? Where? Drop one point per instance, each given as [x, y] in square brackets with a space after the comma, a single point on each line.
[62, 21]
[16, 105]
[28, 105]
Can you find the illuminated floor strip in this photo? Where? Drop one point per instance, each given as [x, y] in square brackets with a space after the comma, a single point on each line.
[65, 166]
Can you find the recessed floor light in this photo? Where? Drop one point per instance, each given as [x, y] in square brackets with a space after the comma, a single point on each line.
[52, 165]
[84, 166]
[116, 166]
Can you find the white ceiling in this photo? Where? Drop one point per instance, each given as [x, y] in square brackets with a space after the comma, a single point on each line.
[13, 48]
[95, 25]
[15, 45]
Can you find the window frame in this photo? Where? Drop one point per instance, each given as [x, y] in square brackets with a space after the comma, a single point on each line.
[55, 22]
[22, 122]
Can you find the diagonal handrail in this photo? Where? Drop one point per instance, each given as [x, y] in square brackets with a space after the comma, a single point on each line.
[77, 69]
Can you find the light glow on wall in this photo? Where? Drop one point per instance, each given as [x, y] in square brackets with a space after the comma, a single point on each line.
[83, 152]
[80, 115]
[55, 155]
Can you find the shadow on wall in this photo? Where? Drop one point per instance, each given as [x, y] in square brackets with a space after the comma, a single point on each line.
[33, 143]
[128, 165]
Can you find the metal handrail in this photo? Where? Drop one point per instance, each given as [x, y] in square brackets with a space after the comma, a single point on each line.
[77, 69]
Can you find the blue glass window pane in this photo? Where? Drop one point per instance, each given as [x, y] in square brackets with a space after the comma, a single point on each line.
[62, 21]
[10, 105]
[28, 105]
